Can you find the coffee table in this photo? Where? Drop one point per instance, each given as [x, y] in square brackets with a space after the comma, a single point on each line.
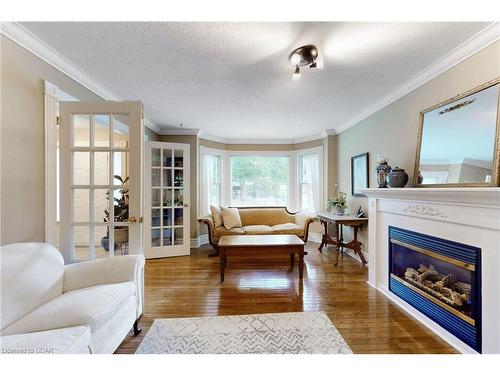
[260, 246]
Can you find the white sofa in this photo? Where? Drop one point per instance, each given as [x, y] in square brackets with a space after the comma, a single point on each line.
[47, 307]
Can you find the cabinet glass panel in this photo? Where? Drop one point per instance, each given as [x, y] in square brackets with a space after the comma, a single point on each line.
[178, 236]
[167, 236]
[101, 168]
[155, 217]
[167, 158]
[167, 197]
[156, 237]
[178, 197]
[101, 241]
[178, 178]
[167, 177]
[155, 177]
[120, 204]
[81, 206]
[178, 159]
[81, 168]
[155, 157]
[121, 240]
[178, 216]
[81, 235]
[81, 130]
[155, 198]
[121, 130]
[101, 205]
[167, 217]
[120, 168]
[101, 130]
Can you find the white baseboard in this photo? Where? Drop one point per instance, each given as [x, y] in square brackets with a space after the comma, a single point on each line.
[199, 241]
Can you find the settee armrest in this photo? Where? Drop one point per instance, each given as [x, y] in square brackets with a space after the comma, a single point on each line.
[209, 221]
[104, 271]
[304, 220]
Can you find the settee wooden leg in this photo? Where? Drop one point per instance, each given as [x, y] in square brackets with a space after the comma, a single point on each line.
[214, 254]
[137, 329]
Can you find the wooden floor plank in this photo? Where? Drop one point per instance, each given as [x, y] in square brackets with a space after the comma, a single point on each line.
[370, 323]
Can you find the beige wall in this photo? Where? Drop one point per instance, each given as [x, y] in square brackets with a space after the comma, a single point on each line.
[22, 140]
[392, 131]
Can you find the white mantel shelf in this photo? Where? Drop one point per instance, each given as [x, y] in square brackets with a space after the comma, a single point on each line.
[489, 197]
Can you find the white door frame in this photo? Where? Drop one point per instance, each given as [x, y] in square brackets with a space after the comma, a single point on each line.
[135, 150]
[173, 250]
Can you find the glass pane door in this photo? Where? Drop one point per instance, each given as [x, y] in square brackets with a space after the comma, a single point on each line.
[167, 197]
[100, 179]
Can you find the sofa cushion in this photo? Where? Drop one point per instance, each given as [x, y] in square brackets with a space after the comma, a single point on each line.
[265, 216]
[31, 275]
[258, 229]
[231, 217]
[70, 340]
[222, 231]
[288, 228]
[88, 306]
[217, 216]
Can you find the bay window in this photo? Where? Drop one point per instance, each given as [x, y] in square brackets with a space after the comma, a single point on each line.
[259, 180]
[293, 179]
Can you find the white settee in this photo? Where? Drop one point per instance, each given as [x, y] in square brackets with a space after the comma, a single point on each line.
[47, 307]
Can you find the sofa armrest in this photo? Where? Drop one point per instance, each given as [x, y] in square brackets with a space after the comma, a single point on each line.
[304, 220]
[209, 221]
[103, 271]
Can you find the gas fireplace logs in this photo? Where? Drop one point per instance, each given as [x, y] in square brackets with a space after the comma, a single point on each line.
[444, 287]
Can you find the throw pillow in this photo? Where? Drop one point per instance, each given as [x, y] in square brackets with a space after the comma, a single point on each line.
[231, 217]
[217, 216]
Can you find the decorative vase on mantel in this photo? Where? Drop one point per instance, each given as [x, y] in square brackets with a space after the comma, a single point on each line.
[383, 169]
[397, 178]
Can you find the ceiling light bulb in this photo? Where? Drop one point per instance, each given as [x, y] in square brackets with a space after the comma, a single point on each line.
[296, 74]
[295, 59]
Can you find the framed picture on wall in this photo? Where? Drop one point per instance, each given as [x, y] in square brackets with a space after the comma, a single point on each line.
[359, 173]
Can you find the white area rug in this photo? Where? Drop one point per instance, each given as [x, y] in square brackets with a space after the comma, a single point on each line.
[287, 333]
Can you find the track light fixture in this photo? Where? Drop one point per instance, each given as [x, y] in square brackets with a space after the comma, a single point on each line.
[304, 56]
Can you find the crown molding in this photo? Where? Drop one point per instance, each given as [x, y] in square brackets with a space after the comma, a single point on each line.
[43, 51]
[179, 131]
[470, 47]
[259, 141]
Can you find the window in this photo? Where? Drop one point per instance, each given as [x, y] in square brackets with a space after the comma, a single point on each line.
[210, 184]
[259, 180]
[309, 182]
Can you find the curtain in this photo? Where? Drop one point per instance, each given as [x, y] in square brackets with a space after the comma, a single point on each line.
[205, 186]
[310, 183]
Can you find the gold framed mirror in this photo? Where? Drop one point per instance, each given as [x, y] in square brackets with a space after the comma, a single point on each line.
[458, 141]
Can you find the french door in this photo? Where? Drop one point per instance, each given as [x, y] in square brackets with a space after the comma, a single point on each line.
[167, 200]
[101, 148]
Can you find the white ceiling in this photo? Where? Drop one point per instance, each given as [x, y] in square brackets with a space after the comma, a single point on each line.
[233, 80]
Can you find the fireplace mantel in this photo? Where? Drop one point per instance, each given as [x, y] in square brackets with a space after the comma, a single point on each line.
[489, 197]
[466, 215]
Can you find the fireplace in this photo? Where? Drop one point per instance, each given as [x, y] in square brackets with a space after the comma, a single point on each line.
[439, 278]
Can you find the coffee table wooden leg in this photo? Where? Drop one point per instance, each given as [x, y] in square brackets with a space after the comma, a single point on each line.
[292, 260]
[301, 263]
[222, 258]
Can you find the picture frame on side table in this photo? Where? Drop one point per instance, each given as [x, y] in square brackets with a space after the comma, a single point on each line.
[359, 174]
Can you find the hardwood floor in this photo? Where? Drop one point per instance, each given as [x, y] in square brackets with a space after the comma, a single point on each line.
[370, 323]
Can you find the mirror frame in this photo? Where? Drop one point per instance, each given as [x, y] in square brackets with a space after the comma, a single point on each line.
[495, 172]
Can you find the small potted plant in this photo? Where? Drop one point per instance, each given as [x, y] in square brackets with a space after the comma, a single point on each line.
[338, 202]
[120, 208]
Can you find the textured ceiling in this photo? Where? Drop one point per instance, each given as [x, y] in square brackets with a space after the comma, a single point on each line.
[233, 80]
